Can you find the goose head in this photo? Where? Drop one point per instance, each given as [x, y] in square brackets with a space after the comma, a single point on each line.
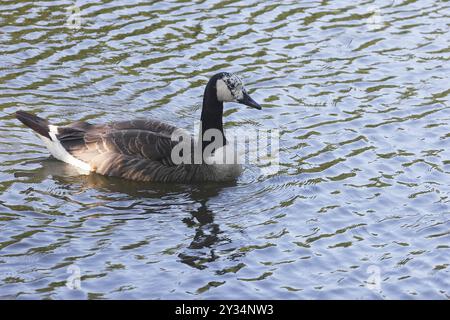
[222, 87]
[230, 88]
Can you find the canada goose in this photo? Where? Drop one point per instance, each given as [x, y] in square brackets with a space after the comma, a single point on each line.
[141, 150]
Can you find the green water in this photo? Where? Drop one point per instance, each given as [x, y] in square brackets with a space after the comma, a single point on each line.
[358, 209]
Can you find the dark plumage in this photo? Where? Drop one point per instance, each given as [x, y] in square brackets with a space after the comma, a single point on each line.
[139, 149]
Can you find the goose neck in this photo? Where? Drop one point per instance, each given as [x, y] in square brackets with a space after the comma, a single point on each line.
[212, 116]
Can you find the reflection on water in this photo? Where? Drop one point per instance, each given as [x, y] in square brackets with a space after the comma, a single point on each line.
[359, 208]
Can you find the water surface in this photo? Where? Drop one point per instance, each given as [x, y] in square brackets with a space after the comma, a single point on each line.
[358, 209]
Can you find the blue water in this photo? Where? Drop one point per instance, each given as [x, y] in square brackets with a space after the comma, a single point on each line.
[359, 208]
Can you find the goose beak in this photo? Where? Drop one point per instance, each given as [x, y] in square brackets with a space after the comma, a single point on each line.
[248, 101]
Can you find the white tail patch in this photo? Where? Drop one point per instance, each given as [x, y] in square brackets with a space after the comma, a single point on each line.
[57, 150]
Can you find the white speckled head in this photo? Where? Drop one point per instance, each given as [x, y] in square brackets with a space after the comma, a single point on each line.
[229, 88]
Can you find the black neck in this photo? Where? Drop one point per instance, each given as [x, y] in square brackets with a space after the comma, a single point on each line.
[212, 112]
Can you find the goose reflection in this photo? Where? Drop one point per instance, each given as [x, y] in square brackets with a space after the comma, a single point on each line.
[207, 233]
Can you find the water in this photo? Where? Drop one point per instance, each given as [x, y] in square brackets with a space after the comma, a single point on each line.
[358, 209]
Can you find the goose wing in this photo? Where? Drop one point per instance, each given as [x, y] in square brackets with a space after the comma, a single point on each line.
[121, 148]
[137, 150]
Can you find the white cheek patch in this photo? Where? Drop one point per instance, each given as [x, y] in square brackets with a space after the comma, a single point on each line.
[230, 88]
[223, 93]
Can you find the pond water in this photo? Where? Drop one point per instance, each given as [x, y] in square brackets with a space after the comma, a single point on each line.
[359, 206]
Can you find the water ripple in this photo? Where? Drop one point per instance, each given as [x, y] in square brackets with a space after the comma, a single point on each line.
[360, 95]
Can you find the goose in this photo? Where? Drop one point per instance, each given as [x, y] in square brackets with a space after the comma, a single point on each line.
[141, 150]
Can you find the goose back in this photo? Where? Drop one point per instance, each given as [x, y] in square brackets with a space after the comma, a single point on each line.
[139, 150]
